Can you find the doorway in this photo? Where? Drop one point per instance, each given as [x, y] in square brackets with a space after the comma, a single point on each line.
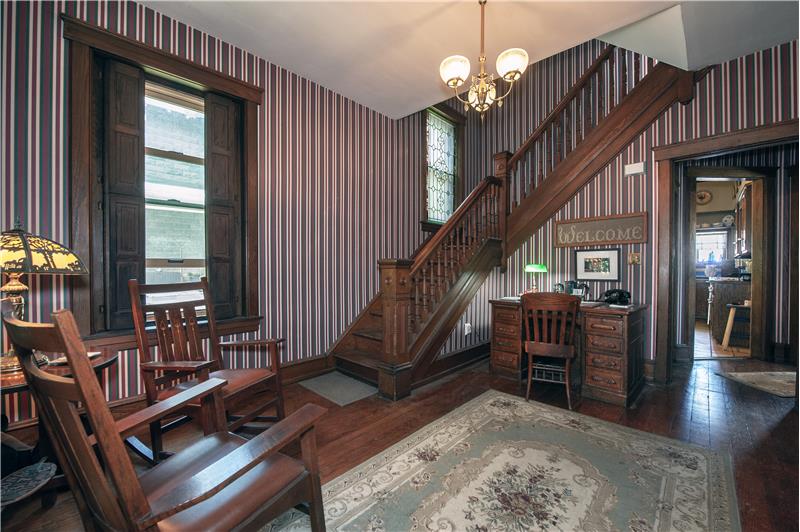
[721, 218]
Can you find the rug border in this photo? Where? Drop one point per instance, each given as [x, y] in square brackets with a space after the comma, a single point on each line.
[724, 455]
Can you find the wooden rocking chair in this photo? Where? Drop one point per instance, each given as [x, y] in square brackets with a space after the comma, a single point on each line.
[221, 482]
[183, 363]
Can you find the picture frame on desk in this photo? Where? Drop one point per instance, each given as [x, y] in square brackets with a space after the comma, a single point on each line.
[597, 264]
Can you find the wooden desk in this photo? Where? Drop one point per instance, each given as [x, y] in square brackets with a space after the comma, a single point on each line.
[610, 345]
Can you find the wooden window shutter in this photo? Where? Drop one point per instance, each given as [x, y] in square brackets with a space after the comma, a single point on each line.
[223, 203]
[124, 188]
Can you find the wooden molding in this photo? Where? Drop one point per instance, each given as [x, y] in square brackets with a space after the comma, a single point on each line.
[154, 59]
[666, 156]
[726, 142]
[454, 362]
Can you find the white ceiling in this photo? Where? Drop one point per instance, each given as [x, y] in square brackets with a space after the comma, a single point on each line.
[694, 35]
[386, 55]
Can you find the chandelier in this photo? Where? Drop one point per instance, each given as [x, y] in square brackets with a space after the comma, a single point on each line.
[483, 91]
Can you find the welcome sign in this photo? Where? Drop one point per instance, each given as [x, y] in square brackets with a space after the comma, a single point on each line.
[602, 230]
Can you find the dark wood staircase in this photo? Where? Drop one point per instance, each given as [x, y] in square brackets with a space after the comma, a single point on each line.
[394, 341]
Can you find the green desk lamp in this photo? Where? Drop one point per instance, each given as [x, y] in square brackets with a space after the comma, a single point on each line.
[535, 268]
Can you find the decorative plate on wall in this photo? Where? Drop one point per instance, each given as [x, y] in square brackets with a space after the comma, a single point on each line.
[704, 197]
[728, 220]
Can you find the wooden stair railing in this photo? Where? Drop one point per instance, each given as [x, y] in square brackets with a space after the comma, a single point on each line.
[401, 327]
[584, 133]
[394, 341]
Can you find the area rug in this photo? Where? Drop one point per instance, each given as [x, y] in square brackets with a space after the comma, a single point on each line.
[339, 388]
[780, 383]
[500, 463]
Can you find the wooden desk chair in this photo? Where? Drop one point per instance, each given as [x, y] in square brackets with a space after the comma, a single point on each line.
[183, 362]
[221, 482]
[548, 324]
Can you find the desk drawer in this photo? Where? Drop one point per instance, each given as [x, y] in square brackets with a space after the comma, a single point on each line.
[507, 329]
[507, 360]
[605, 325]
[513, 345]
[611, 344]
[602, 378]
[606, 362]
[507, 316]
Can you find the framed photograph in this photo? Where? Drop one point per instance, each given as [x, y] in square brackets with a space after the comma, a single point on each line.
[597, 264]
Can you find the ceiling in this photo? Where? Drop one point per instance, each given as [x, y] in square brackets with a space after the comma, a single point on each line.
[386, 55]
[694, 35]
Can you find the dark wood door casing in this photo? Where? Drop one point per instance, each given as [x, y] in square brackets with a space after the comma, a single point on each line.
[666, 158]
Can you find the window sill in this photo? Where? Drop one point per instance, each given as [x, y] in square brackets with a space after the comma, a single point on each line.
[126, 339]
[429, 226]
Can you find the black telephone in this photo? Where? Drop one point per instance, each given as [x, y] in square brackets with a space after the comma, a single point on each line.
[617, 297]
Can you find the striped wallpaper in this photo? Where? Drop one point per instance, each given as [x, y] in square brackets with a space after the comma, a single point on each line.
[753, 90]
[339, 182]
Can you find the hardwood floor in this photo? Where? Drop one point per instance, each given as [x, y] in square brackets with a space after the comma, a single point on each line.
[705, 346]
[758, 429]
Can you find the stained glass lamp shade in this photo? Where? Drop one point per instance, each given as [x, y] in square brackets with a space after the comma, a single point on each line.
[21, 253]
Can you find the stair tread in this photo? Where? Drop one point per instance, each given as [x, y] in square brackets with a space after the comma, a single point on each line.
[372, 334]
[362, 358]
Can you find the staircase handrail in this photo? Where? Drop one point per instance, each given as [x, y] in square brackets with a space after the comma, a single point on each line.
[565, 101]
[425, 253]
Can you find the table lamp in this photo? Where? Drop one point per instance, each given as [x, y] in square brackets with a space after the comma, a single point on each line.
[535, 268]
[21, 253]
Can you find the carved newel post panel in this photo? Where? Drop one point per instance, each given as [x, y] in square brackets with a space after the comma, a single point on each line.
[502, 171]
[394, 371]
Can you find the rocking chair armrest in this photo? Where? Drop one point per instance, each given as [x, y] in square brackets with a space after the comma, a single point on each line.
[252, 343]
[130, 424]
[176, 365]
[234, 465]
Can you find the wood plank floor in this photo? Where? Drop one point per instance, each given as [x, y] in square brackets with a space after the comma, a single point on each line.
[758, 429]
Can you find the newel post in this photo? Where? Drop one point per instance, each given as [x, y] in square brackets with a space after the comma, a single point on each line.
[502, 171]
[394, 371]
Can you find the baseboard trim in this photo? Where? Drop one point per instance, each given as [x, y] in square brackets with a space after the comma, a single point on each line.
[454, 362]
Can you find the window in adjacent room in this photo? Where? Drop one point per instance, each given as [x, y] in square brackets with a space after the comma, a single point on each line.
[711, 246]
[442, 167]
[174, 187]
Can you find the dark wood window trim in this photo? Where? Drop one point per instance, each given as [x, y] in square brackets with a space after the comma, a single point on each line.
[460, 122]
[666, 157]
[85, 42]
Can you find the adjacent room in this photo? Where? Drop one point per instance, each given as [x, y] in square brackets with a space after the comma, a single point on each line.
[394, 266]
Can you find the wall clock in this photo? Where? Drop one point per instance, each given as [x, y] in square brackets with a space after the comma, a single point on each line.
[704, 197]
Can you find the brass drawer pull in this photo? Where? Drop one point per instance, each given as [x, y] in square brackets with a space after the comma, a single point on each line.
[601, 379]
[603, 344]
[507, 330]
[604, 327]
[505, 343]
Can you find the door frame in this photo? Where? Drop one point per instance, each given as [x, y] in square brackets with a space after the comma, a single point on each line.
[665, 158]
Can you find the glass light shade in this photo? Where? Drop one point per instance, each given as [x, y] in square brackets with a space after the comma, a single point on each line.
[512, 63]
[22, 252]
[535, 268]
[454, 70]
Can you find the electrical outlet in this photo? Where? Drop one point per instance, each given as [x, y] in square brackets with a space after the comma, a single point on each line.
[467, 329]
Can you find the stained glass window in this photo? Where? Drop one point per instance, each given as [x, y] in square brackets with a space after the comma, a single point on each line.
[441, 179]
[175, 245]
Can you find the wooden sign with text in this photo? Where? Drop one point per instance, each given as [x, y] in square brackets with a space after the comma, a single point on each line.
[603, 230]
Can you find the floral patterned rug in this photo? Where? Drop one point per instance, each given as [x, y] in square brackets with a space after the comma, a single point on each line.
[500, 463]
